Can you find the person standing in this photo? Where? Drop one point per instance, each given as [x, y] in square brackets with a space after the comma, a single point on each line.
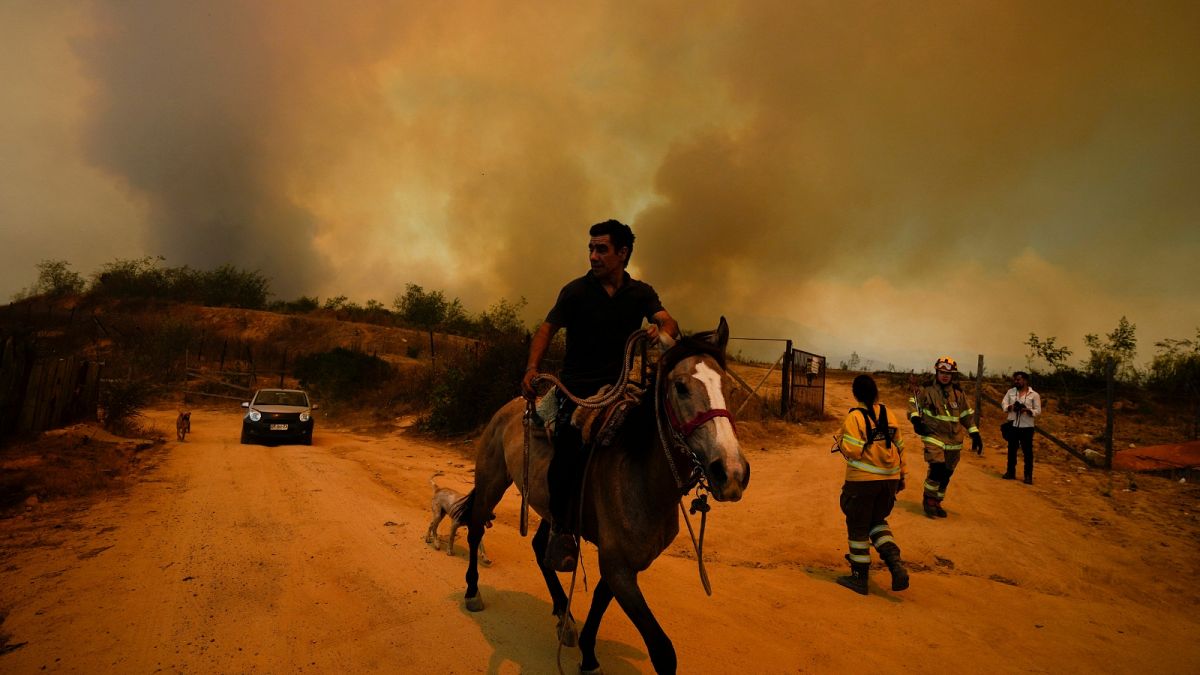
[1023, 405]
[939, 412]
[600, 310]
[875, 473]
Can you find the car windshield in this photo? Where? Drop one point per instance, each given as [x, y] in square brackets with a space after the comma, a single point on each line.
[296, 398]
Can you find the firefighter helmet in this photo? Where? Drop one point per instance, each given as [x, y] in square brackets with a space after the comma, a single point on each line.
[945, 365]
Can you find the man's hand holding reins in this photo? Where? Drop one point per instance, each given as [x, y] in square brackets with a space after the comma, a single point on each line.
[537, 349]
[527, 389]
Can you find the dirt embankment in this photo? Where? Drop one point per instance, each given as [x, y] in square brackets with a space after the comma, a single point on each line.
[229, 558]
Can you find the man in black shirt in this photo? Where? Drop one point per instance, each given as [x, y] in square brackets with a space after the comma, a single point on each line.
[599, 310]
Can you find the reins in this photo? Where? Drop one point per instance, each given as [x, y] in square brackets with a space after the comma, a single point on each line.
[674, 435]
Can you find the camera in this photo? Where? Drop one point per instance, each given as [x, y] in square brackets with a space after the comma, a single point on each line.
[1017, 406]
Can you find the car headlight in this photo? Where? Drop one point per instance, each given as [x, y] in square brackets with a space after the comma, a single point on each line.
[305, 416]
[255, 415]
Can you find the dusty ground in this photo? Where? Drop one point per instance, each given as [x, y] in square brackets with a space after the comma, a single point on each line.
[230, 558]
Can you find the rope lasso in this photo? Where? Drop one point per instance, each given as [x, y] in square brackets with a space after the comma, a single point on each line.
[615, 392]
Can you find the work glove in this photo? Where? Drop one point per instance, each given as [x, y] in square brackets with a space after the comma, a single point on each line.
[919, 427]
[977, 443]
[900, 485]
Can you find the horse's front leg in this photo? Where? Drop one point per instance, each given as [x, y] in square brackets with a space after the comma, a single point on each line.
[566, 625]
[587, 638]
[623, 583]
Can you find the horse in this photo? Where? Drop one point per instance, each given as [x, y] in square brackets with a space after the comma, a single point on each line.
[632, 488]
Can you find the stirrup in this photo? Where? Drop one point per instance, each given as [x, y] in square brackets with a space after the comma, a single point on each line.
[562, 554]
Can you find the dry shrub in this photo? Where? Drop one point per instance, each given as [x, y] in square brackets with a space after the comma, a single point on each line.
[123, 401]
[342, 375]
[471, 386]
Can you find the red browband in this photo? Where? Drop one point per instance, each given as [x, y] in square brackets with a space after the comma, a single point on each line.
[686, 430]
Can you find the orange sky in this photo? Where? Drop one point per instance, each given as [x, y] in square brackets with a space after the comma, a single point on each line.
[902, 180]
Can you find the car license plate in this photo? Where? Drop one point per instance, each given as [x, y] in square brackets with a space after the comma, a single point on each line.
[278, 427]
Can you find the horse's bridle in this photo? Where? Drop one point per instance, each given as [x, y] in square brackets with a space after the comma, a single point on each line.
[675, 442]
[685, 430]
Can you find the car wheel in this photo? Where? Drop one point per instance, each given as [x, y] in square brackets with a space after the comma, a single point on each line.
[245, 438]
[307, 440]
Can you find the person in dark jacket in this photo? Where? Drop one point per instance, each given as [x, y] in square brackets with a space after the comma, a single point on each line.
[939, 412]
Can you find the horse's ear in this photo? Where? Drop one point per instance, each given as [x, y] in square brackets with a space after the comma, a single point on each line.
[722, 335]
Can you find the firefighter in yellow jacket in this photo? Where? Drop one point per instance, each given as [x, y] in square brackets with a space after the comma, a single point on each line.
[875, 471]
[939, 412]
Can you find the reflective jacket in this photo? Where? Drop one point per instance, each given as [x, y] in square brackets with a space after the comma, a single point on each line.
[871, 458]
[945, 412]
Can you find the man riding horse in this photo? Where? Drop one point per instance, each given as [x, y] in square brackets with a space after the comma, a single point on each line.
[600, 310]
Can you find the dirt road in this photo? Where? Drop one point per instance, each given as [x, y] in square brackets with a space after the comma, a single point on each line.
[229, 558]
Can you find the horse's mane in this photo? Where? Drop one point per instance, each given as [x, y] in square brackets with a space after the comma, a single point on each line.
[641, 418]
[691, 345]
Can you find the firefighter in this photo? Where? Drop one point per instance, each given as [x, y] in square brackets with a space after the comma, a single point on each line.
[875, 470]
[938, 413]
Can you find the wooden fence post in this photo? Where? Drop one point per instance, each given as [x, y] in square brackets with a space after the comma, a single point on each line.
[1109, 375]
[785, 391]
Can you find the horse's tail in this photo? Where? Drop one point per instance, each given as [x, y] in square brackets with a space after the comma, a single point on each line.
[465, 509]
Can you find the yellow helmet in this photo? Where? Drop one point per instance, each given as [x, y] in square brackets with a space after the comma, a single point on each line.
[945, 365]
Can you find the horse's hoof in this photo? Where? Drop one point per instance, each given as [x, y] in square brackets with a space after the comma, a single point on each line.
[568, 638]
[485, 563]
[475, 604]
[566, 632]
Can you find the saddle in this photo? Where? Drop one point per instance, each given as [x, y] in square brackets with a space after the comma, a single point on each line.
[599, 426]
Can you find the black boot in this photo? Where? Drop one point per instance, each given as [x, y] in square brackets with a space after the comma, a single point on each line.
[857, 581]
[931, 507]
[937, 508]
[896, 567]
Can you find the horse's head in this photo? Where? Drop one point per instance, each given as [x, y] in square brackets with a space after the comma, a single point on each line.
[695, 405]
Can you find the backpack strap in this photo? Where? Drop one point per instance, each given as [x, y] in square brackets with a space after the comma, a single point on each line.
[867, 420]
[883, 426]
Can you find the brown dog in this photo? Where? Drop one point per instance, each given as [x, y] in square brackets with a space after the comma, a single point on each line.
[183, 424]
[447, 502]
